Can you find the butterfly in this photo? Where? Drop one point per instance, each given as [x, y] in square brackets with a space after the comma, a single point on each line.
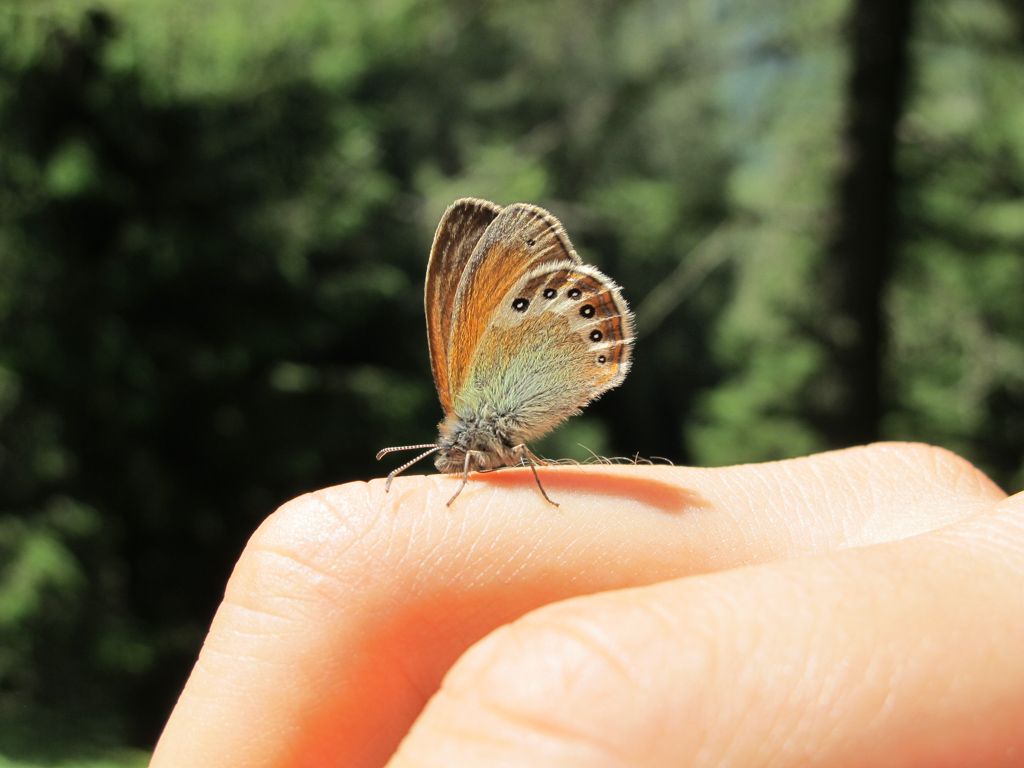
[522, 334]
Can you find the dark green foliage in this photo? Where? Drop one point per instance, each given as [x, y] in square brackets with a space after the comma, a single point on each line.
[214, 227]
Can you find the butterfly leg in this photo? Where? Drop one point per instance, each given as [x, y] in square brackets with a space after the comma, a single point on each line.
[527, 456]
[465, 477]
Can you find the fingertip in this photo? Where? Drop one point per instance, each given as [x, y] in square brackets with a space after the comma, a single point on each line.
[263, 661]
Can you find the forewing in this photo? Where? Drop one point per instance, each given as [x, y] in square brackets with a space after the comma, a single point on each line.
[562, 336]
[520, 239]
[457, 235]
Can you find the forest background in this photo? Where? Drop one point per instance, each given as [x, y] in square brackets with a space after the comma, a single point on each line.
[214, 226]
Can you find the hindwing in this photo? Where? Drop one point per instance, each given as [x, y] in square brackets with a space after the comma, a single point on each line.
[561, 336]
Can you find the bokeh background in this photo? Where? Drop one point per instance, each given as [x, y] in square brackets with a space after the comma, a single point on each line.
[214, 226]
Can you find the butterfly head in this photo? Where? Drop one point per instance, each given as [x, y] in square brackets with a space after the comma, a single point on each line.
[488, 439]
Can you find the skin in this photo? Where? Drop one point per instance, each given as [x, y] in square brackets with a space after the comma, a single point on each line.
[860, 607]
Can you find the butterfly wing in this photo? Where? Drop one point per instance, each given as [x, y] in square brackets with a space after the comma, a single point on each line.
[561, 336]
[457, 235]
[521, 238]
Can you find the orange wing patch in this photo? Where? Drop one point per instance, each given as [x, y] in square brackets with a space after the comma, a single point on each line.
[457, 235]
[521, 238]
[601, 316]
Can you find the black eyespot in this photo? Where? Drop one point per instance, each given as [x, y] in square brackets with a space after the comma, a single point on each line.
[596, 335]
[550, 293]
[601, 358]
[531, 242]
[575, 293]
[587, 310]
[520, 305]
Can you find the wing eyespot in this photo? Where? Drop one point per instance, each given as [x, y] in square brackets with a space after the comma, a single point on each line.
[596, 335]
[587, 310]
[574, 293]
[601, 359]
[550, 293]
[520, 304]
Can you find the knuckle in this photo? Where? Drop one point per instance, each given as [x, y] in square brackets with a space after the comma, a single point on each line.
[542, 646]
[568, 677]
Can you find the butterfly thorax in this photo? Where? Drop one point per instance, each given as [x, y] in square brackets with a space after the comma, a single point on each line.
[490, 438]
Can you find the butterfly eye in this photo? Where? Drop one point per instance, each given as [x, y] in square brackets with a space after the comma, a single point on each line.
[587, 310]
[575, 293]
[520, 305]
[550, 293]
[601, 358]
[596, 335]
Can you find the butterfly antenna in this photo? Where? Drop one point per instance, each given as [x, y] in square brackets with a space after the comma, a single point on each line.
[395, 472]
[385, 451]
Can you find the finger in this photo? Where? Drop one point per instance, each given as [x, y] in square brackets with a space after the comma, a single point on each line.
[348, 605]
[901, 654]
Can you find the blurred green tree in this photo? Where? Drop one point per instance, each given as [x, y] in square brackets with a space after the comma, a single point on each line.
[214, 225]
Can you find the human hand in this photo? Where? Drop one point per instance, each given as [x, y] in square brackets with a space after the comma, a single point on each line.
[860, 607]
